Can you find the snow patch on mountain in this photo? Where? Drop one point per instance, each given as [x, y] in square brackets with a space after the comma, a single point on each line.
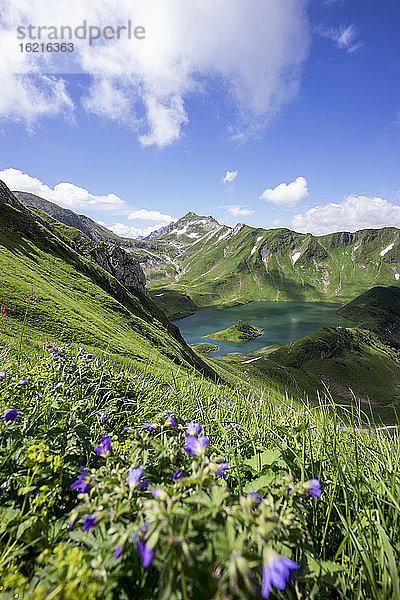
[385, 250]
[295, 257]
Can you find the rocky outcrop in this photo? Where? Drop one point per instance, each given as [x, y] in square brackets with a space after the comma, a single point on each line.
[121, 265]
[14, 216]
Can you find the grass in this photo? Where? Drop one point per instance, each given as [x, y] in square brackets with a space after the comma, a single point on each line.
[204, 348]
[211, 537]
[353, 529]
[378, 310]
[75, 299]
[236, 333]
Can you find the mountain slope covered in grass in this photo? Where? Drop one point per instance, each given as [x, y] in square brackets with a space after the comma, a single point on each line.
[75, 299]
[216, 265]
[378, 310]
[199, 262]
[353, 364]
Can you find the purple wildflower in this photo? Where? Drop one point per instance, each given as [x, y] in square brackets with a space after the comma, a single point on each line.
[196, 446]
[170, 420]
[135, 479]
[103, 449]
[313, 487]
[277, 571]
[193, 429]
[10, 414]
[3, 374]
[70, 525]
[155, 492]
[177, 474]
[55, 358]
[104, 416]
[89, 356]
[127, 429]
[118, 552]
[151, 426]
[255, 495]
[146, 553]
[49, 346]
[81, 484]
[222, 468]
[89, 522]
[57, 386]
[23, 382]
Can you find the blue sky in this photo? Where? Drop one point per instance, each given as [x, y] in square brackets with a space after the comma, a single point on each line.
[329, 131]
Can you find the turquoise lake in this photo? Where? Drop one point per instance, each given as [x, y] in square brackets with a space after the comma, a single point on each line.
[282, 322]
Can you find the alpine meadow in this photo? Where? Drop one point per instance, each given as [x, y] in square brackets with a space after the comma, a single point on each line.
[199, 300]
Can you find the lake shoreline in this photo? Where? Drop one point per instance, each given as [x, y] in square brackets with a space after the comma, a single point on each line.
[281, 322]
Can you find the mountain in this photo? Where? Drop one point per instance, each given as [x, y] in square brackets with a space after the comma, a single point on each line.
[352, 364]
[77, 296]
[155, 233]
[198, 262]
[214, 264]
[93, 230]
[378, 310]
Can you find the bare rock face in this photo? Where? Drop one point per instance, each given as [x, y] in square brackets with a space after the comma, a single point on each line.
[121, 265]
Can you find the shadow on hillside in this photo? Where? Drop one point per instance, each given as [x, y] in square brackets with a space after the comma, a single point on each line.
[294, 290]
[19, 246]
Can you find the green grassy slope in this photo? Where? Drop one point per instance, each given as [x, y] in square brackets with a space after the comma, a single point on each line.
[76, 300]
[350, 363]
[345, 541]
[378, 310]
[216, 265]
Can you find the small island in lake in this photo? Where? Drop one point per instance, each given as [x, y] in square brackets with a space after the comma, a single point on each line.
[241, 332]
[204, 348]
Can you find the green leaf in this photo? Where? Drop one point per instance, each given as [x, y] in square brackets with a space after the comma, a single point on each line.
[267, 458]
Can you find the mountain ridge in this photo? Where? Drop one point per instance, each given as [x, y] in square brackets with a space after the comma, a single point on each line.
[212, 264]
[219, 265]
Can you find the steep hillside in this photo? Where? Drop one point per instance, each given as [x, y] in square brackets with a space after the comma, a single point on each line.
[378, 310]
[93, 230]
[75, 299]
[215, 264]
[349, 363]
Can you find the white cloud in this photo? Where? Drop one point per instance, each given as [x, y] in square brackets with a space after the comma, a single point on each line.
[230, 177]
[344, 37]
[287, 194]
[353, 213]
[66, 195]
[134, 232]
[239, 211]
[256, 53]
[151, 215]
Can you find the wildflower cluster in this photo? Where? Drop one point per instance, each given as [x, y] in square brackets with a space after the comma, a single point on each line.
[164, 506]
